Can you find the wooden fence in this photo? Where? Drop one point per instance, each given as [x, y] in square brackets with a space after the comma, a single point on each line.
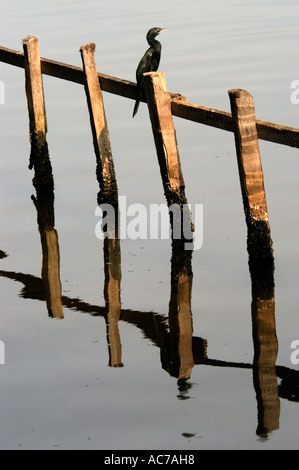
[162, 105]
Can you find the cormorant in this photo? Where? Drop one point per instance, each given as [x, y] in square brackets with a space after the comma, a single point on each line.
[149, 62]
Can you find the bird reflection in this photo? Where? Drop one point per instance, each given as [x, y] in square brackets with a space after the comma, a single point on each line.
[184, 386]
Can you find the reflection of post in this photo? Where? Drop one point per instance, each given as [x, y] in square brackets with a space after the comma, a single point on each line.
[264, 370]
[50, 272]
[180, 315]
[265, 350]
[43, 178]
[264, 332]
[112, 290]
[101, 138]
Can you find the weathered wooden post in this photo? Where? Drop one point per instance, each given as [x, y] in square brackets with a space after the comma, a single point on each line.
[43, 177]
[105, 167]
[159, 105]
[251, 174]
[39, 156]
[34, 86]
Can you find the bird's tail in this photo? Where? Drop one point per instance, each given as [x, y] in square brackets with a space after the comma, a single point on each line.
[137, 102]
[136, 107]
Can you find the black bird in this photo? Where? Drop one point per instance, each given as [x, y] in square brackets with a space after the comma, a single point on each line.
[149, 62]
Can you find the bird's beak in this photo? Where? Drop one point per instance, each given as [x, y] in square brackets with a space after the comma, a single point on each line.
[164, 29]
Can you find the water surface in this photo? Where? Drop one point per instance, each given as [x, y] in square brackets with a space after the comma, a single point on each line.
[58, 386]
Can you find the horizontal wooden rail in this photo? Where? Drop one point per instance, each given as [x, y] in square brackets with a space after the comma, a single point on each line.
[179, 106]
[222, 120]
[71, 73]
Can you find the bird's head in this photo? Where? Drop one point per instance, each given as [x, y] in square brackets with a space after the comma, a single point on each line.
[153, 32]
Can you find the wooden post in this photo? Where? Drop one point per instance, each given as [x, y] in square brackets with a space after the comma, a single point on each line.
[251, 174]
[39, 156]
[250, 168]
[105, 166]
[34, 86]
[159, 105]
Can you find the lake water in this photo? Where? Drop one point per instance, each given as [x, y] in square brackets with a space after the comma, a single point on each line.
[59, 389]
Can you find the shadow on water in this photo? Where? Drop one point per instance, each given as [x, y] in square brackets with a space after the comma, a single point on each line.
[180, 350]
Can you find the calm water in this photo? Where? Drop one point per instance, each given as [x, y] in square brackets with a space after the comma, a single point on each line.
[58, 387]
